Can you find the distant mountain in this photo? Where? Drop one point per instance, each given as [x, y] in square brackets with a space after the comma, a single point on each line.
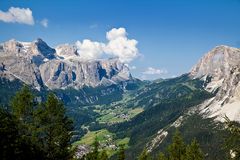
[37, 64]
[220, 71]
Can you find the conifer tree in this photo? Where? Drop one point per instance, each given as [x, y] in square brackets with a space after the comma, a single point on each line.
[35, 132]
[177, 149]
[22, 106]
[22, 116]
[193, 151]
[9, 141]
[54, 129]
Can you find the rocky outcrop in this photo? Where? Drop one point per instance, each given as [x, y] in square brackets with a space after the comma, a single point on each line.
[220, 70]
[37, 64]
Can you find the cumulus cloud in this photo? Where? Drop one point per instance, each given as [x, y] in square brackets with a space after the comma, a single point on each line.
[155, 71]
[17, 15]
[44, 22]
[118, 45]
[89, 50]
[116, 33]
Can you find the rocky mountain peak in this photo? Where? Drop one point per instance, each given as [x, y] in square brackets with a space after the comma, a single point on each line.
[40, 47]
[217, 65]
[37, 64]
[221, 56]
[28, 49]
[11, 46]
[220, 71]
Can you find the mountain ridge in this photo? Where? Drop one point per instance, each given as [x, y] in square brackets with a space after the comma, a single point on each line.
[37, 64]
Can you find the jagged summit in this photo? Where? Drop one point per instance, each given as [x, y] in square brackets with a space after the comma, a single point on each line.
[38, 64]
[26, 49]
[220, 69]
[41, 47]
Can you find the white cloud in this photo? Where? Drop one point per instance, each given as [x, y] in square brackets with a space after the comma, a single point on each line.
[118, 45]
[116, 33]
[89, 50]
[44, 22]
[17, 15]
[154, 71]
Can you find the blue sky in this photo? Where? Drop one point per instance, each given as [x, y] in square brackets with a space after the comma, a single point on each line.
[172, 35]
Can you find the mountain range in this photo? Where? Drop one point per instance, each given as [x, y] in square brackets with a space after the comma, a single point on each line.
[37, 64]
[103, 97]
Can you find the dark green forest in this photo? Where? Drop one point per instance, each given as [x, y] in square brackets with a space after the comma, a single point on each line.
[32, 130]
[39, 125]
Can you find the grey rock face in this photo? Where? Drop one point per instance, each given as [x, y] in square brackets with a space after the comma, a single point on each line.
[37, 64]
[218, 62]
[220, 69]
[40, 47]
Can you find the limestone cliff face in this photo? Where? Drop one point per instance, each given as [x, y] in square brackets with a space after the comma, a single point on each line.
[60, 73]
[220, 69]
[37, 64]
